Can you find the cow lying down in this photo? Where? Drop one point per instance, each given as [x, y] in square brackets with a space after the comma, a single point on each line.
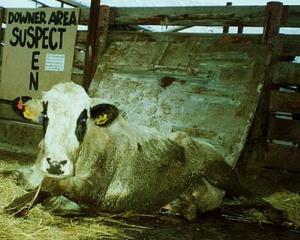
[91, 159]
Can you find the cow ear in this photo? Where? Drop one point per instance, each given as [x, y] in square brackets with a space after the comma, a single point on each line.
[104, 114]
[27, 108]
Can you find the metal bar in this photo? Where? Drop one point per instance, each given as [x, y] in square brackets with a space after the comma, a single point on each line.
[39, 2]
[72, 3]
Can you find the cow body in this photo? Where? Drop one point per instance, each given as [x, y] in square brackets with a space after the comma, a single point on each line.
[116, 166]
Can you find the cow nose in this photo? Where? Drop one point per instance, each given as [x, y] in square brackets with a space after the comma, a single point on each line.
[55, 166]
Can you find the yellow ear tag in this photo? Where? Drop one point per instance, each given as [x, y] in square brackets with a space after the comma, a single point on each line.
[28, 113]
[102, 119]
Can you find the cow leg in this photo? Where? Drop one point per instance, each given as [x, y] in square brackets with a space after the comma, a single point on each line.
[26, 177]
[75, 188]
[202, 198]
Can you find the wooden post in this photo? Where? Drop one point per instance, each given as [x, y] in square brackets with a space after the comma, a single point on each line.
[273, 21]
[226, 28]
[91, 43]
[101, 43]
[1, 35]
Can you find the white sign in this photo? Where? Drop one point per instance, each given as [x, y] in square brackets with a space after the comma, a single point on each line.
[55, 62]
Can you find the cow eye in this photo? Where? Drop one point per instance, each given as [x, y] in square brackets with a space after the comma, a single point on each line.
[81, 125]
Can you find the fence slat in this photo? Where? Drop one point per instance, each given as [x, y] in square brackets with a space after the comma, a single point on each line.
[292, 18]
[283, 157]
[291, 44]
[192, 16]
[285, 102]
[288, 74]
[284, 129]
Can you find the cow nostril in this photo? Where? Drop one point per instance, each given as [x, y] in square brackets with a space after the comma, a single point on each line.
[62, 163]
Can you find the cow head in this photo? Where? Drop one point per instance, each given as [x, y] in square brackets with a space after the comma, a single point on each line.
[65, 112]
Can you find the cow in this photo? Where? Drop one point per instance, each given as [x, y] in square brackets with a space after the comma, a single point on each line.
[92, 158]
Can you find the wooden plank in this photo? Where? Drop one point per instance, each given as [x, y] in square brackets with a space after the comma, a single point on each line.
[6, 112]
[284, 129]
[119, 36]
[283, 157]
[20, 134]
[291, 17]
[285, 102]
[291, 45]
[288, 73]
[192, 16]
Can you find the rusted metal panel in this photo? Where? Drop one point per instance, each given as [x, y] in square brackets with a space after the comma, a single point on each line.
[207, 88]
[284, 129]
[285, 102]
[288, 73]
[192, 16]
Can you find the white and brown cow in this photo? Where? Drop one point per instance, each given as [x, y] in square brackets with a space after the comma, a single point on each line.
[95, 158]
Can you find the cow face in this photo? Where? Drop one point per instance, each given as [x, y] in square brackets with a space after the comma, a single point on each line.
[64, 113]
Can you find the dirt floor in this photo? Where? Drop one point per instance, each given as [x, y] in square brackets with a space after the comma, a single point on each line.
[218, 225]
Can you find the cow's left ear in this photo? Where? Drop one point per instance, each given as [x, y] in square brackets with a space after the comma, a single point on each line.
[104, 114]
[27, 108]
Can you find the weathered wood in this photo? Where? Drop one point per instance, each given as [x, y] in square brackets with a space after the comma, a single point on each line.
[226, 27]
[273, 21]
[1, 30]
[20, 133]
[283, 157]
[192, 16]
[91, 43]
[6, 112]
[291, 45]
[291, 17]
[288, 74]
[101, 37]
[285, 102]
[118, 36]
[284, 129]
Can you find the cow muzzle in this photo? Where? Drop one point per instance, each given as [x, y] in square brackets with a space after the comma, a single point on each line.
[58, 168]
[55, 167]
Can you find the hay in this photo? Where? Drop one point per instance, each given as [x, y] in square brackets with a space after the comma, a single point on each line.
[39, 224]
[287, 202]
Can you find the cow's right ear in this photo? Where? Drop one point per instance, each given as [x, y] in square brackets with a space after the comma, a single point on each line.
[28, 108]
[104, 114]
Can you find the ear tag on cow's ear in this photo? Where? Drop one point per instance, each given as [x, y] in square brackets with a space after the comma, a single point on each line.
[28, 113]
[101, 119]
